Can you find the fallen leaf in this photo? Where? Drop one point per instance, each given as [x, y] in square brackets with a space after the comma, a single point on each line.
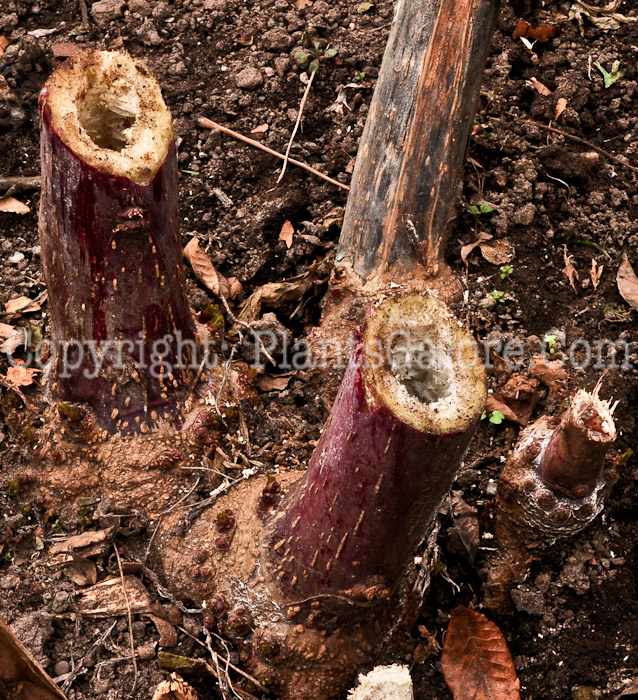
[465, 531]
[551, 373]
[627, 283]
[267, 382]
[516, 400]
[286, 234]
[542, 33]
[596, 272]
[21, 376]
[65, 49]
[21, 305]
[364, 7]
[539, 87]
[498, 252]
[13, 342]
[6, 330]
[569, 268]
[207, 274]
[468, 248]
[83, 572]
[11, 205]
[300, 4]
[4, 42]
[167, 632]
[603, 17]
[84, 540]
[176, 688]
[521, 29]
[261, 129]
[561, 104]
[476, 662]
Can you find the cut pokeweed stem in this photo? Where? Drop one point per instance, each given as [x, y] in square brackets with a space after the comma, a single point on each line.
[110, 244]
[554, 484]
[325, 561]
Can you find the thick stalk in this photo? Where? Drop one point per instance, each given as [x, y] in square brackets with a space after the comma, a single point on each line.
[554, 484]
[406, 178]
[405, 413]
[110, 241]
[313, 575]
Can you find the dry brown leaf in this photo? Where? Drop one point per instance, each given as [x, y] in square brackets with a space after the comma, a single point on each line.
[539, 87]
[11, 205]
[4, 42]
[498, 252]
[207, 274]
[21, 305]
[83, 572]
[21, 376]
[516, 400]
[286, 234]
[267, 382]
[596, 272]
[11, 344]
[476, 662]
[300, 4]
[552, 373]
[467, 249]
[84, 540]
[561, 104]
[175, 689]
[627, 283]
[6, 330]
[261, 129]
[569, 268]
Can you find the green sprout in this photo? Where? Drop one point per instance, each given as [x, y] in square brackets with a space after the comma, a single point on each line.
[494, 417]
[478, 212]
[499, 296]
[315, 53]
[551, 343]
[613, 76]
[506, 271]
[360, 76]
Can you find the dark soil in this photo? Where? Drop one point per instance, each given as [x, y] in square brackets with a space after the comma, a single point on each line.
[573, 629]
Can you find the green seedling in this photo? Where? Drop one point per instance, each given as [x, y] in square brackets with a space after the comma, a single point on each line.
[314, 54]
[599, 248]
[617, 315]
[494, 417]
[506, 271]
[551, 341]
[478, 212]
[360, 76]
[613, 76]
[499, 296]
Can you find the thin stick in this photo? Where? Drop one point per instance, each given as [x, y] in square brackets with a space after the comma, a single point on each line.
[297, 123]
[78, 668]
[84, 12]
[12, 185]
[130, 620]
[208, 124]
[583, 142]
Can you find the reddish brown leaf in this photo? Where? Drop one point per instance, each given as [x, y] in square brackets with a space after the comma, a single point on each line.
[266, 382]
[4, 42]
[521, 29]
[542, 33]
[539, 87]
[11, 205]
[207, 274]
[261, 129]
[560, 107]
[6, 331]
[476, 662]
[596, 272]
[627, 283]
[21, 376]
[516, 400]
[286, 234]
[552, 373]
[569, 268]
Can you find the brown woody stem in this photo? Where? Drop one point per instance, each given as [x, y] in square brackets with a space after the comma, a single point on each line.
[406, 179]
[110, 241]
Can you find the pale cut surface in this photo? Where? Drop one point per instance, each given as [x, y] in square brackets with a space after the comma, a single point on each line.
[423, 365]
[108, 109]
[384, 683]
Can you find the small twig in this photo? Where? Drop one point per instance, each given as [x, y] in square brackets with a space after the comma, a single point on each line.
[583, 142]
[78, 668]
[208, 124]
[84, 13]
[130, 620]
[227, 661]
[12, 185]
[249, 328]
[297, 123]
